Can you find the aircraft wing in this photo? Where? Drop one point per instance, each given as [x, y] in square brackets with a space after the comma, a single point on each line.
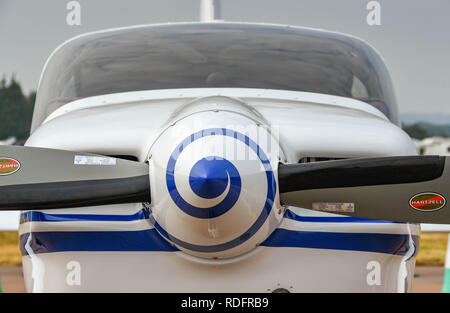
[9, 220]
[435, 228]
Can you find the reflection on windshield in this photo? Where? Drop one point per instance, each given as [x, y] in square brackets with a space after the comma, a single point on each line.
[215, 55]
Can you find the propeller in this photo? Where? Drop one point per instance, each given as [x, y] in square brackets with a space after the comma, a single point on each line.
[402, 189]
[38, 178]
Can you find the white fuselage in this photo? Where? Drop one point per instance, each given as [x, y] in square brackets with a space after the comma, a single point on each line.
[117, 248]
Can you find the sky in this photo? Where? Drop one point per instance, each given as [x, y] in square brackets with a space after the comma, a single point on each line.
[413, 38]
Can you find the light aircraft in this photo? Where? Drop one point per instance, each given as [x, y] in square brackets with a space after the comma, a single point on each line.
[219, 157]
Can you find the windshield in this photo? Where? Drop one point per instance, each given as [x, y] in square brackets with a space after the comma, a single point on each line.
[214, 55]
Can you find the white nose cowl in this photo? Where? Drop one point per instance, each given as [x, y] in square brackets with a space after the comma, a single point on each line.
[214, 184]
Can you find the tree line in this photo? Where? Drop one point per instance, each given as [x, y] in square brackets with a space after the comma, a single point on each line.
[421, 130]
[16, 110]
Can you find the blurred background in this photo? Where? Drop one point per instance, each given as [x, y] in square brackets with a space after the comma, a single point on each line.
[411, 35]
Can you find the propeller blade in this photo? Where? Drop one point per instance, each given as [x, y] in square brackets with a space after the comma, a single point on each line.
[37, 178]
[403, 189]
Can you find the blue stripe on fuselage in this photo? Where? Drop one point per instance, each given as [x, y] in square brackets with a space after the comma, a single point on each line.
[36, 216]
[332, 219]
[47, 242]
[370, 242]
[150, 240]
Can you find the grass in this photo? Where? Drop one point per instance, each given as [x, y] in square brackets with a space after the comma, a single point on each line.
[432, 249]
[9, 249]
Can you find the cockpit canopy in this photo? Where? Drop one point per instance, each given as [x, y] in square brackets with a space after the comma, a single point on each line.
[230, 55]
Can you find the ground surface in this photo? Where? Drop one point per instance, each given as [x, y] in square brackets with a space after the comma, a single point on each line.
[12, 279]
[428, 279]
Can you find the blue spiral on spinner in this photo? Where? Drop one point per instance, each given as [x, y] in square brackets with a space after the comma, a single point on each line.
[208, 179]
